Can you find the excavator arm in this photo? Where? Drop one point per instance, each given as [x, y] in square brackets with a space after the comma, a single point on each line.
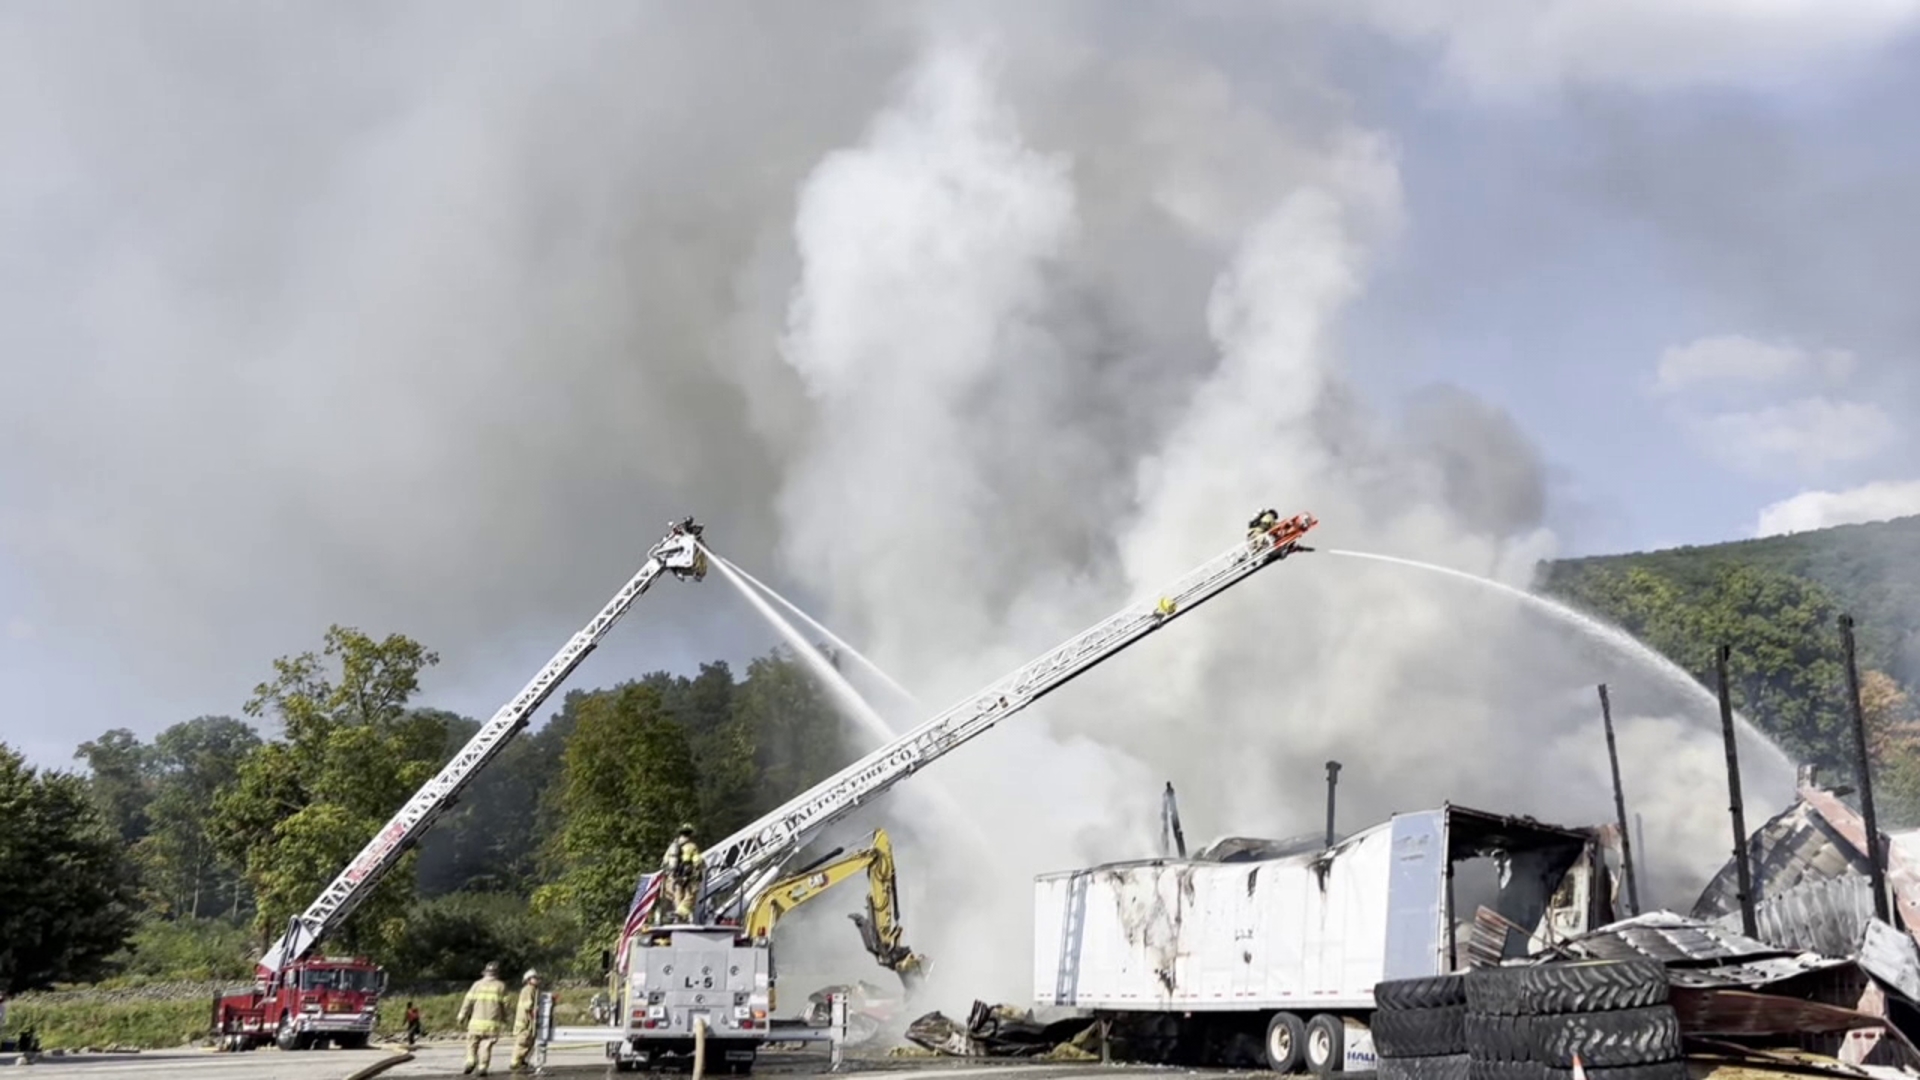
[880, 929]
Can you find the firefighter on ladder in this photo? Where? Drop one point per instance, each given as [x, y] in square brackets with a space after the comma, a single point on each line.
[684, 868]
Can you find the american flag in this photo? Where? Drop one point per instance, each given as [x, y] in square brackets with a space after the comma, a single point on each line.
[644, 895]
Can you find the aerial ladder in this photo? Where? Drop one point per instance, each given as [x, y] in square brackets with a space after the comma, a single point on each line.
[658, 1007]
[740, 867]
[265, 1014]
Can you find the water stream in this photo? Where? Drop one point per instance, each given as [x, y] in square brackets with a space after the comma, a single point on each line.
[1671, 673]
[859, 657]
[849, 699]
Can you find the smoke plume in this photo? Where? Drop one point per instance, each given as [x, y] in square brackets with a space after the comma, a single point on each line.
[978, 324]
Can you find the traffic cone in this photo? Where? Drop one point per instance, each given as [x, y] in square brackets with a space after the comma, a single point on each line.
[1579, 1070]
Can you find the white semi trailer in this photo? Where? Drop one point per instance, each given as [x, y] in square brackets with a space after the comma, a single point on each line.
[1200, 959]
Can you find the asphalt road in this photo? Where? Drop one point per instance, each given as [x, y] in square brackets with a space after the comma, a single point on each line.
[444, 1059]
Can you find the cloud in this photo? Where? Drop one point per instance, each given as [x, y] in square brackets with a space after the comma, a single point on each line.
[1801, 436]
[1735, 358]
[1809, 510]
[1506, 49]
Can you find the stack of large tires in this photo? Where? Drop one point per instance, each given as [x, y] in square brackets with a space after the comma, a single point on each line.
[1419, 1028]
[1530, 1023]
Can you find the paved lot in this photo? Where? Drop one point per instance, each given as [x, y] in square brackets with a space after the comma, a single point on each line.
[445, 1060]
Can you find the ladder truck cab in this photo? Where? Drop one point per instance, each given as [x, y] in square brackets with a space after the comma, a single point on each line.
[302, 1001]
[316, 1001]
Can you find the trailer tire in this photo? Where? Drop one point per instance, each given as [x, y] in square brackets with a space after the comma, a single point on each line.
[1482, 1069]
[1497, 991]
[1419, 1033]
[1606, 1040]
[1435, 992]
[1665, 1070]
[1326, 1048]
[1285, 1043]
[1594, 986]
[1439, 1067]
[1499, 1038]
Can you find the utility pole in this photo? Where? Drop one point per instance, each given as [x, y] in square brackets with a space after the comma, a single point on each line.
[1874, 855]
[1620, 805]
[1333, 777]
[1740, 866]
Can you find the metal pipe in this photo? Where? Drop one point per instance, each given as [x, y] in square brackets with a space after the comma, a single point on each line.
[1620, 805]
[1740, 865]
[1333, 778]
[1874, 854]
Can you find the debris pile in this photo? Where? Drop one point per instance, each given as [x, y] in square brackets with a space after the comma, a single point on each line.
[1002, 1031]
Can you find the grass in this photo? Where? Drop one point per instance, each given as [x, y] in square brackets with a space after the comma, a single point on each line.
[64, 1022]
[149, 1025]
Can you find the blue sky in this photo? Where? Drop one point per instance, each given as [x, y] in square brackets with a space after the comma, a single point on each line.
[1740, 207]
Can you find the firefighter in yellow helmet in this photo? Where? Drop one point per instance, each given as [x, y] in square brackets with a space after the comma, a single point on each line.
[685, 868]
[523, 1019]
[484, 1012]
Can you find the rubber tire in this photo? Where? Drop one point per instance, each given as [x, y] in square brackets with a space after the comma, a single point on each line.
[1500, 1038]
[1412, 1033]
[1481, 1069]
[1497, 991]
[1434, 992]
[1444, 1067]
[1594, 986]
[1295, 1035]
[1665, 1070]
[1334, 1033]
[1606, 1040]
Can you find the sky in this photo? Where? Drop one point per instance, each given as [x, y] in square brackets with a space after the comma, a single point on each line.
[960, 323]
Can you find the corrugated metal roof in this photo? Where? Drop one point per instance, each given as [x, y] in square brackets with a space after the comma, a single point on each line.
[1823, 915]
[1698, 954]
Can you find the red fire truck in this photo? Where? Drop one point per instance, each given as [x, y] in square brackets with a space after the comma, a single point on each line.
[306, 1005]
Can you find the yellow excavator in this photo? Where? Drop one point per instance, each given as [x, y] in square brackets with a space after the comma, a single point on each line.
[879, 927]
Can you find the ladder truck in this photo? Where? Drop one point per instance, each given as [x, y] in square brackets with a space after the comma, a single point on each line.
[301, 1001]
[707, 987]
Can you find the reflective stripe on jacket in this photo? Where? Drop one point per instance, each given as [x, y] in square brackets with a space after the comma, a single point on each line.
[484, 1010]
[523, 1013]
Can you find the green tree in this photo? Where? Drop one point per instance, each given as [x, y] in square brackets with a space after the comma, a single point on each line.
[187, 766]
[352, 752]
[117, 762]
[794, 734]
[66, 905]
[627, 780]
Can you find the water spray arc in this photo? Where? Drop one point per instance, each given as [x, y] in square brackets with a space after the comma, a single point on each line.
[850, 699]
[1670, 672]
[838, 642]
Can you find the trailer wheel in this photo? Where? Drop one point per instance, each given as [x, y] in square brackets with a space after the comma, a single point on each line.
[1326, 1049]
[1286, 1041]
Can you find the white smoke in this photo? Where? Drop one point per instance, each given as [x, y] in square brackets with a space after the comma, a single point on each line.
[962, 506]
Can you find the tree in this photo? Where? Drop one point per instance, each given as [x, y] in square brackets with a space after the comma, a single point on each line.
[627, 781]
[118, 764]
[65, 902]
[793, 731]
[187, 766]
[300, 809]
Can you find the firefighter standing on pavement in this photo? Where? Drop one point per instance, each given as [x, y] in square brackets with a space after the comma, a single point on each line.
[484, 1012]
[523, 1019]
[683, 865]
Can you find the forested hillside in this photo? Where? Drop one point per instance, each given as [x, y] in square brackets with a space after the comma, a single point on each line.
[183, 854]
[1777, 601]
[189, 851]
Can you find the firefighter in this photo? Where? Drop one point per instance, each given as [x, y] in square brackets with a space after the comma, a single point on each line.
[523, 1019]
[684, 868]
[483, 1011]
[1265, 521]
